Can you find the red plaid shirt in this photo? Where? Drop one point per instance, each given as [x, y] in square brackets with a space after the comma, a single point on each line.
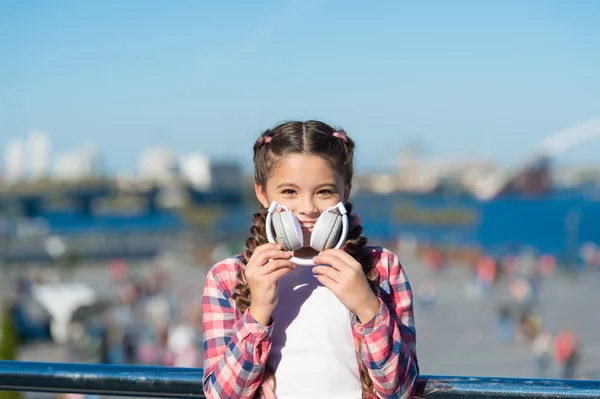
[236, 346]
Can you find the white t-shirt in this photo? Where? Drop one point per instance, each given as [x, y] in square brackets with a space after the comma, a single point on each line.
[312, 349]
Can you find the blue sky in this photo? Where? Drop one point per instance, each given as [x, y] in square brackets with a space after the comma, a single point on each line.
[485, 78]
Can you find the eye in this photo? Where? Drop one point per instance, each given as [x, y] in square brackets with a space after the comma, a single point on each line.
[288, 191]
[325, 192]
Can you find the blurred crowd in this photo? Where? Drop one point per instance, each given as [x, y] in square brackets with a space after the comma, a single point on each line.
[150, 322]
[144, 318]
[519, 319]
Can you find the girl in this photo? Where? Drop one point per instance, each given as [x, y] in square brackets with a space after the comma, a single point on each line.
[341, 329]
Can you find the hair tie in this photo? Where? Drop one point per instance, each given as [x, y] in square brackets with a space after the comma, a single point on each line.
[341, 135]
[265, 139]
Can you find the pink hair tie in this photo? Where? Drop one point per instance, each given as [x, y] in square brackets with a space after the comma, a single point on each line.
[342, 136]
[265, 139]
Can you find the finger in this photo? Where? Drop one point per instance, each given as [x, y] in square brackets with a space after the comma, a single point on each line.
[333, 261]
[255, 258]
[343, 255]
[264, 256]
[345, 260]
[275, 265]
[274, 254]
[327, 282]
[266, 247]
[328, 272]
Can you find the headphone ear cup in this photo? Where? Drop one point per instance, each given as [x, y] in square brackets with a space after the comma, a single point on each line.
[280, 234]
[334, 234]
[288, 230]
[326, 231]
[293, 230]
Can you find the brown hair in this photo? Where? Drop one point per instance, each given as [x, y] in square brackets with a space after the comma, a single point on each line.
[315, 138]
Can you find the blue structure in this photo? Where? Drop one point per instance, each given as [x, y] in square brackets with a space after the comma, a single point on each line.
[557, 224]
[85, 232]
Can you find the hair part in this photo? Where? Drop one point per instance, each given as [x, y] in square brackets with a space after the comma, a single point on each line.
[311, 138]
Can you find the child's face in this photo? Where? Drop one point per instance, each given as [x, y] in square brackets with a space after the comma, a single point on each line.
[307, 185]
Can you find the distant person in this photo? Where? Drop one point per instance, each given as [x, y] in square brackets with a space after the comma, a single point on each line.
[486, 272]
[588, 253]
[510, 266]
[542, 350]
[567, 352]
[546, 265]
[521, 292]
[434, 260]
[506, 325]
[530, 324]
[273, 328]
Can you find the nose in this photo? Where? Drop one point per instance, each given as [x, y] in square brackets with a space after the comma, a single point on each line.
[308, 208]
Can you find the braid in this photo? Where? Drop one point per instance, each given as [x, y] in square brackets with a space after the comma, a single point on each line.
[258, 236]
[241, 294]
[355, 244]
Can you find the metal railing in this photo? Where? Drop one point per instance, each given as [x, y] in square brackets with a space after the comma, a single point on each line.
[173, 382]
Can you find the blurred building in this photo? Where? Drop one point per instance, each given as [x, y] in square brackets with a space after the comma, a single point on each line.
[425, 174]
[37, 149]
[14, 160]
[416, 174]
[195, 168]
[575, 175]
[226, 176]
[158, 165]
[77, 165]
[209, 175]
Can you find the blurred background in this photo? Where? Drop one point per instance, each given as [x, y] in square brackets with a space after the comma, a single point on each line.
[126, 130]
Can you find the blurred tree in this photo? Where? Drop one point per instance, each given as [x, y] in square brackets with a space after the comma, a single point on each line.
[8, 345]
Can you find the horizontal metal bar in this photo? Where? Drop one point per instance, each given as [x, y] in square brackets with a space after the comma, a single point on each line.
[101, 379]
[442, 387]
[175, 382]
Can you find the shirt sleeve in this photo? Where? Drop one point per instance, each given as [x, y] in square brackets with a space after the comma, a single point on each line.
[235, 351]
[387, 343]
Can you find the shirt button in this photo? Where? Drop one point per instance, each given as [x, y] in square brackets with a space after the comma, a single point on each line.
[261, 330]
[359, 329]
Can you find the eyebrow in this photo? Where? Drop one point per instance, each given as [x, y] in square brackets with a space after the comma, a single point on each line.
[297, 186]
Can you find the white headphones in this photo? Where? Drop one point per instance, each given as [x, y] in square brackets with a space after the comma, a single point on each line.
[332, 223]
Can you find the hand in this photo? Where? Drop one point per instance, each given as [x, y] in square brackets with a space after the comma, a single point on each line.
[265, 268]
[346, 279]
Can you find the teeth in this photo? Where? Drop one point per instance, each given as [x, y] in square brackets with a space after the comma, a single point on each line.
[308, 225]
